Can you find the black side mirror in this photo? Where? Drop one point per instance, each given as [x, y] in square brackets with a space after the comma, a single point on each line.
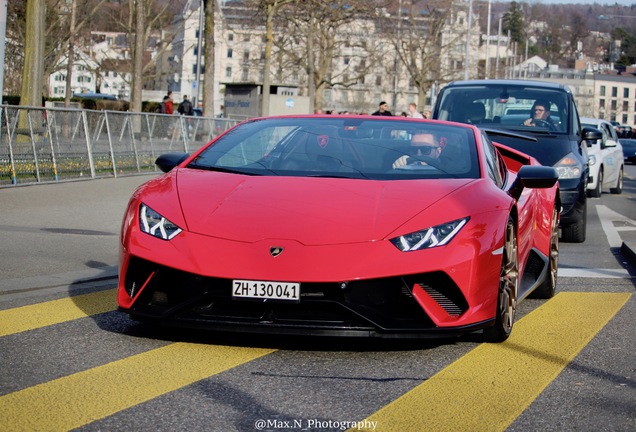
[591, 134]
[167, 161]
[534, 177]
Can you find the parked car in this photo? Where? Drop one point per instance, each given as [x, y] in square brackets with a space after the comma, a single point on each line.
[557, 141]
[605, 158]
[342, 225]
[629, 149]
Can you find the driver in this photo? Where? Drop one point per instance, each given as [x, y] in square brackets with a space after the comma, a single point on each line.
[540, 113]
[422, 145]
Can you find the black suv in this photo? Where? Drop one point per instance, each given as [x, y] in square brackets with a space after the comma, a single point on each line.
[502, 109]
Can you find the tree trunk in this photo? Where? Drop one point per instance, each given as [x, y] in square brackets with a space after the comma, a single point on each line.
[209, 56]
[32, 81]
[138, 56]
[71, 57]
[271, 10]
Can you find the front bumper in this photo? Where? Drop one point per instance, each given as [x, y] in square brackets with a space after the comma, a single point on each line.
[573, 202]
[384, 307]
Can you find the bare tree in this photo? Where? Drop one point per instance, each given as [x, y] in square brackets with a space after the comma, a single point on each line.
[425, 35]
[328, 41]
[270, 9]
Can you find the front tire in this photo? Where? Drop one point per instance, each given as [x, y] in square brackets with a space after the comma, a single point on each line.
[598, 190]
[619, 184]
[508, 288]
[576, 232]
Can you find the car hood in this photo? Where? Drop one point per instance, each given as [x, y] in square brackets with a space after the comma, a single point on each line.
[312, 211]
[548, 149]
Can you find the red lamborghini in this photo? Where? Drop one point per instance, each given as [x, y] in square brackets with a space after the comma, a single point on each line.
[342, 225]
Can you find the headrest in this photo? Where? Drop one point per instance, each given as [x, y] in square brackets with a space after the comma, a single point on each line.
[475, 111]
[323, 140]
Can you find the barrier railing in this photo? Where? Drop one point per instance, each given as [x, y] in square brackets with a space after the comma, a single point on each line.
[52, 144]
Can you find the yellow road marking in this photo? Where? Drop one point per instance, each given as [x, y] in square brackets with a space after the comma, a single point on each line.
[76, 400]
[487, 389]
[57, 311]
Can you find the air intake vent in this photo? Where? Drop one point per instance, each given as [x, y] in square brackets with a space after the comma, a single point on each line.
[451, 308]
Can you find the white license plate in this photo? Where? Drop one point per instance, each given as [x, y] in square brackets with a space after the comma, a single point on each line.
[266, 290]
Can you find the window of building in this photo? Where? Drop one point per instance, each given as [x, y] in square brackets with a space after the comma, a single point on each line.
[602, 90]
[378, 80]
[246, 55]
[625, 105]
[228, 72]
[625, 92]
[230, 37]
[246, 37]
[230, 52]
[613, 105]
[347, 60]
[614, 91]
[246, 74]
[624, 118]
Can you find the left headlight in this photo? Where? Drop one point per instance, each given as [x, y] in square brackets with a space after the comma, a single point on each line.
[430, 237]
[156, 225]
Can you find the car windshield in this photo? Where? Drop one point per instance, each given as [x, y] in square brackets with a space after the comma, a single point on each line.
[344, 146]
[507, 106]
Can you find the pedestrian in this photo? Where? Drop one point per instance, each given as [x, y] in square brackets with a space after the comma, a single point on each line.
[413, 112]
[383, 110]
[185, 107]
[168, 103]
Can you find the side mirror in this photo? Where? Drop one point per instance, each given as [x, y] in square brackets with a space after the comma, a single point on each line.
[534, 177]
[167, 161]
[591, 134]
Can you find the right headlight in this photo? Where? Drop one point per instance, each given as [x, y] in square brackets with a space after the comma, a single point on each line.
[156, 225]
[591, 160]
[569, 167]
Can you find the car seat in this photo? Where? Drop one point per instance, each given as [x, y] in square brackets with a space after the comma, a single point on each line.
[475, 113]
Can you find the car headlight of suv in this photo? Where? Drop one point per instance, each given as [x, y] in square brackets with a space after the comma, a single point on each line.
[438, 235]
[156, 225]
[568, 167]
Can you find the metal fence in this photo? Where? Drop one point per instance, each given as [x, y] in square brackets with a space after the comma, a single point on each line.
[53, 144]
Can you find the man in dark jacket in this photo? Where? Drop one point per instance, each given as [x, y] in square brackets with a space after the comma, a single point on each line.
[383, 110]
[185, 107]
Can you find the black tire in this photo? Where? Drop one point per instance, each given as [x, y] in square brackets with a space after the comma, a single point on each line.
[547, 288]
[508, 288]
[598, 190]
[575, 232]
[619, 184]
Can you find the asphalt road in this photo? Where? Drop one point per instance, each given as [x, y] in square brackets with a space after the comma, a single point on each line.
[71, 361]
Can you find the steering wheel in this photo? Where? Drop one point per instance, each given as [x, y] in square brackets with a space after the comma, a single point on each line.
[415, 162]
[543, 123]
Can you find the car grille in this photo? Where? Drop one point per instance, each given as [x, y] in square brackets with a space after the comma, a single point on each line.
[383, 304]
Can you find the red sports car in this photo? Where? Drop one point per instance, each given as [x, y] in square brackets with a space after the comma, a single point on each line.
[342, 225]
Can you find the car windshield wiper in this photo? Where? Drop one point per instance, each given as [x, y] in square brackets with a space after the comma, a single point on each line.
[222, 169]
[506, 132]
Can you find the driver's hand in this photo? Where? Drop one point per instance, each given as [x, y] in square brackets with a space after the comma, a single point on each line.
[401, 162]
[529, 122]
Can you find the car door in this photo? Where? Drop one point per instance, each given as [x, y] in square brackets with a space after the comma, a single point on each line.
[611, 155]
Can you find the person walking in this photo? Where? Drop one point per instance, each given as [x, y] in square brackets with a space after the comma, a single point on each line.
[413, 112]
[383, 110]
[185, 107]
